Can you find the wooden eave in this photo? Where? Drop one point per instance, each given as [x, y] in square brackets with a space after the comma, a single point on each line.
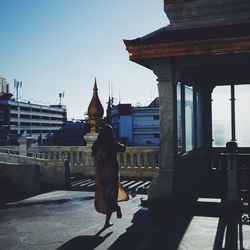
[220, 46]
[165, 43]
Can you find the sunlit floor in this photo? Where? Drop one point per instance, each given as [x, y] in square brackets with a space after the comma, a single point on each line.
[68, 220]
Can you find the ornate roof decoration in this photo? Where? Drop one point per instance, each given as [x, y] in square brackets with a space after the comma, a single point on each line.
[95, 111]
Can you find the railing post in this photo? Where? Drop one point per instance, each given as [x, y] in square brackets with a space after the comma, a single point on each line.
[129, 159]
[146, 160]
[232, 188]
[125, 160]
[232, 183]
[138, 156]
[67, 174]
[80, 158]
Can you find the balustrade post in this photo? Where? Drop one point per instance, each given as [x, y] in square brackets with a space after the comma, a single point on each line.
[80, 158]
[125, 160]
[69, 157]
[141, 160]
[130, 159]
[134, 161]
[91, 160]
[84, 159]
[138, 159]
[51, 156]
[60, 156]
[146, 160]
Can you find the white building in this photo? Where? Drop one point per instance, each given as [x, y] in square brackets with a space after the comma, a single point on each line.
[39, 121]
[137, 125]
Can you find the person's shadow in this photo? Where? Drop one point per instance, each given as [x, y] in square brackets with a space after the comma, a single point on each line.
[153, 230]
[86, 242]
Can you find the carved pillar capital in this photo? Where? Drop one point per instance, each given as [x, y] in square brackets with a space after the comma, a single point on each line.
[163, 72]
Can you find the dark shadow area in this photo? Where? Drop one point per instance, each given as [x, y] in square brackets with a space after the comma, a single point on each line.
[229, 233]
[10, 196]
[8, 193]
[194, 174]
[12, 193]
[153, 230]
[86, 242]
[45, 202]
[164, 229]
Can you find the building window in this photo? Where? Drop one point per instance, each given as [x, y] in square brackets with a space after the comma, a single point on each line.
[230, 119]
[221, 115]
[188, 118]
[197, 119]
[179, 118]
[242, 119]
[156, 117]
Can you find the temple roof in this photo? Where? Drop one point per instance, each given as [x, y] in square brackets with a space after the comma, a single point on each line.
[95, 110]
[196, 28]
[174, 1]
[95, 107]
[168, 42]
[165, 35]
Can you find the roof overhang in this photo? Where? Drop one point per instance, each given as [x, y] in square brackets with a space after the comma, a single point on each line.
[169, 43]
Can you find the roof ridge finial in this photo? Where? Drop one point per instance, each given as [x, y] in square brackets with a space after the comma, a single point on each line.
[95, 86]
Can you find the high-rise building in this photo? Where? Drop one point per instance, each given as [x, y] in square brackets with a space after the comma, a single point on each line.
[39, 121]
[4, 86]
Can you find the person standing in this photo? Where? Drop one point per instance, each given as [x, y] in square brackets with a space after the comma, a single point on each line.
[105, 150]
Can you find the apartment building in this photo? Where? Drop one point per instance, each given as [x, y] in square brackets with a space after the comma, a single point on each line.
[39, 121]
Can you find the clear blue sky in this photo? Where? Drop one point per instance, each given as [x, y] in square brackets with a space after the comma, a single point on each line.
[62, 45]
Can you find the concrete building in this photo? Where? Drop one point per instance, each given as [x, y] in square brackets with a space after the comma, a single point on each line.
[39, 121]
[206, 45]
[146, 124]
[4, 86]
[71, 134]
[121, 119]
[137, 126]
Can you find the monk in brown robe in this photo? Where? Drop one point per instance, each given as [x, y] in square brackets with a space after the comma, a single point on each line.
[105, 151]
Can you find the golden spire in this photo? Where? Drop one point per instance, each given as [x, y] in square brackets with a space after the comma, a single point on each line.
[95, 111]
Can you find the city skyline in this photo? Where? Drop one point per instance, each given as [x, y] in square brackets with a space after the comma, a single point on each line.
[60, 45]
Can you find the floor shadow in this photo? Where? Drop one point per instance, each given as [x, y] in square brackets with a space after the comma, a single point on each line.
[152, 231]
[85, 242]
[229, 233]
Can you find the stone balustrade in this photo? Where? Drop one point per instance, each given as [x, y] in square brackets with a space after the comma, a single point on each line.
[51, 172]
[135, 162]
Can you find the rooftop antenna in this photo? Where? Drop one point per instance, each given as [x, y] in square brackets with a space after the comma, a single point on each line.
[17, 85]
[119, 97]
[109, 90]
[61, 95]
[112, 97]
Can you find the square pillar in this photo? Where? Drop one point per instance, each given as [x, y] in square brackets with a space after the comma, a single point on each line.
[162, 183]
[206, 90]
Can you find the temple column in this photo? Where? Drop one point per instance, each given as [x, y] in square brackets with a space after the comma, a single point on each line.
[162, 183]
[206, 94]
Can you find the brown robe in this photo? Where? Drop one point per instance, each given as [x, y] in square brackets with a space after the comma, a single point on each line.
[107, 179]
